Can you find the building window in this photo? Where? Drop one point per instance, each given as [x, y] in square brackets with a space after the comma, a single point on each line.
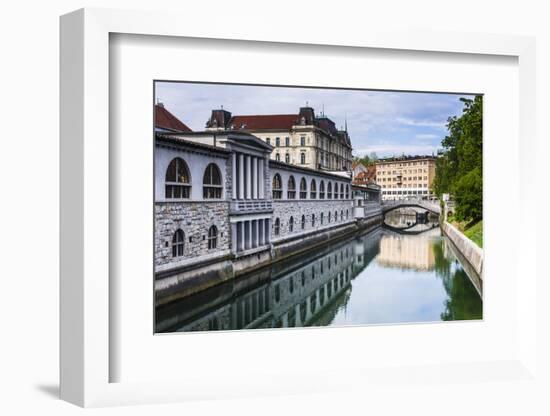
[287, 141]
[277, 157]
[277, 141]
[212, 237]
[347, 214]
[291, 192]
[336, 191]
[313, 220]
[276, 226]
[342, 191]
[329, 191]
[347, 191]
[277, 187]
[303, 189]
[268, 140]
[329, 217]
[322, 190]
[322, 217]
[303, 222]
[302, 140]
[287, 158]
[291, 225]
[177, 181]
[313, 189]
[178, 241]
[212, 182]
[303, 158]
[342, 215]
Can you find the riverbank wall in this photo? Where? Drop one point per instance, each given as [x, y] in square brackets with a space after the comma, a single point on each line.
[176, 284]
[467, 248]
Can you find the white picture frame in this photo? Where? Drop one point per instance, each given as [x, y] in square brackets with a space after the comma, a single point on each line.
[85, 352]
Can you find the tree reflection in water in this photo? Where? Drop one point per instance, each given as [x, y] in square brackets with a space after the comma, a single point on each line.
[381, 277]
[463, 302]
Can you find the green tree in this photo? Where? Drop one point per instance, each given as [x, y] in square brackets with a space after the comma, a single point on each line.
[459, 169]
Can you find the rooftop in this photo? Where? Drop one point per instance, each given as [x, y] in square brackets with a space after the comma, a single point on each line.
[165, 120]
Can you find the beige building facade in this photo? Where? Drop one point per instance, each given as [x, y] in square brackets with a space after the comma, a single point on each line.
[303, 139]
[408, 177]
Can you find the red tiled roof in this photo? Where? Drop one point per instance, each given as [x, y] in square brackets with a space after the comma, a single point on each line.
[271, 121]
[164, 119]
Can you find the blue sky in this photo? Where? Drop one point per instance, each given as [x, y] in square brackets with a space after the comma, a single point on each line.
[386, 122]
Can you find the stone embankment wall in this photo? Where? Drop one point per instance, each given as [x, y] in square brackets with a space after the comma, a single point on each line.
[170, 286]
[471, 252]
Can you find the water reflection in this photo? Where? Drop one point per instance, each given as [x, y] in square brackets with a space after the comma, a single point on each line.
[411, 220]
[380, 277]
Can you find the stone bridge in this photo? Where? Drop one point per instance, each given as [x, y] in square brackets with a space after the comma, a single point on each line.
[430, 206]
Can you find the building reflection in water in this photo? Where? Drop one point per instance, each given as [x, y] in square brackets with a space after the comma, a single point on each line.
[316, 289]
[412, 252]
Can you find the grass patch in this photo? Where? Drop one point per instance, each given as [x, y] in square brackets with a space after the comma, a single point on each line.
[474, 231]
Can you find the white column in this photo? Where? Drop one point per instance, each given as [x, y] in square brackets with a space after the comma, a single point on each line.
[234, 237]
[242, 235]
[248, 178]
[241, 176]
[234, 176]
[254, 178]
[257, 236]
[261, 232]
[248, 237]
[252, 233]
[261, 178]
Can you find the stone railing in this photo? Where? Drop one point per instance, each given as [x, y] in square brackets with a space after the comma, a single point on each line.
[250, 205]
[431, 206]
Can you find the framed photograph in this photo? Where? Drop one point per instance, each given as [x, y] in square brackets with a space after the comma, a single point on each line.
[282, 213]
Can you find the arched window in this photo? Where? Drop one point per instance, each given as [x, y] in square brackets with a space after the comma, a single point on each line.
[322, 190]
[287, 158]
[291, 225]
[277, 157]
[347, 214]
[177, 183]
[303, 222]
[178, 241]
[329, 190]
[342, 191]
[313, 220]
[347, 191]
[335, 216]
[277, 187]
[291, 192]
[322, 217]
[212, 237]
[342, 215]
[313, 189]
[329, 217]
[336, 190]
[303, 189]
[277, 226]
[212, 182]
[303, 158]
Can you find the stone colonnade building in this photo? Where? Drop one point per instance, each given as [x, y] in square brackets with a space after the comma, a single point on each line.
[301, 294]
[223, 207]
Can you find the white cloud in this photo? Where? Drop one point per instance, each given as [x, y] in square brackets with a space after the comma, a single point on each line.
[420, 123]
[397, 150]
[427, 136]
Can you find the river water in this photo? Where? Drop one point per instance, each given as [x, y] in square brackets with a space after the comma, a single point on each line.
[383, 277]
